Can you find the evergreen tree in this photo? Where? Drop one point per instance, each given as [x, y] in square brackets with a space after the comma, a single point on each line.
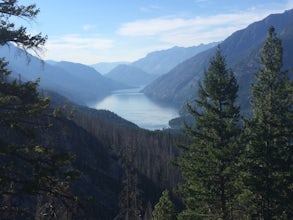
[19, 35]
[164, 209]
[130, 204]
[29, 170]
[34, 179]
[209, 163]
[270, 132]
[13, 102]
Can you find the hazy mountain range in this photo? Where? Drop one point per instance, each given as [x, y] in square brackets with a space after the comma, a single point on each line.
[77, 82]
[83, 84]
[158, 62]
[242, 51]
[161, 62]
[106, 67]
[130, 75]
[144, 70]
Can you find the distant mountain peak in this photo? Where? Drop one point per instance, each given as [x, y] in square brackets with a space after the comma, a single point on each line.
[77, 82]
[130, 75]
[106, 67]
[162, 61]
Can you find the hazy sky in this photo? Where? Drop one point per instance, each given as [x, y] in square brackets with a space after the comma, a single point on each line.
[92, 31]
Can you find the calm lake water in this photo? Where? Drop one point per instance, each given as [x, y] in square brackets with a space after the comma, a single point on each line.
[137, 108]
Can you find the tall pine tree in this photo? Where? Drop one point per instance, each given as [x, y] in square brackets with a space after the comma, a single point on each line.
[209, 163]
[270, 132]
[164, 209]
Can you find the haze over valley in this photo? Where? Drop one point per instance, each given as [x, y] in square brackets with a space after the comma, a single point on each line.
[135, 110]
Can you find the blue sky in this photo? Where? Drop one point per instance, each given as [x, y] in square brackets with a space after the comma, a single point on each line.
[93, 31]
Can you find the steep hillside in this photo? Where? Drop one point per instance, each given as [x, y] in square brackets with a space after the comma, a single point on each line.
[99, 185]
[77, 82]
[160, 62]
[155, 151]
[242, 50]
[130, 75]
[98, 140]
[89, 76]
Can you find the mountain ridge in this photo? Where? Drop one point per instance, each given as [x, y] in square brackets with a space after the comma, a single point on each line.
[130, 75]
[80, 88]
[154, 64]
[106, 67]
[241, 49]
[162, 61]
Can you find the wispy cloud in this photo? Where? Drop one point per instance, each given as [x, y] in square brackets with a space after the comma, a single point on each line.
[191, 31]
[75, 47]
[150, 8]
[135, 39]
[79, 42]
[88, 27]
[152, 26]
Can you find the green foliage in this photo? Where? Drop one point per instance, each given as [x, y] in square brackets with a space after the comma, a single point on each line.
[29, 171]
[10, 33]
[270, 134]
[20, 104]
[34, 179]
[164, 209]
[209, 164]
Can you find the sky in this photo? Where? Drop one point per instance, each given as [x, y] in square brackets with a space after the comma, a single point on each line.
[94, 31]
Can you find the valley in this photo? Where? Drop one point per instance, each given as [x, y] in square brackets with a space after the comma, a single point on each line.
[134, 106]
[195, 132]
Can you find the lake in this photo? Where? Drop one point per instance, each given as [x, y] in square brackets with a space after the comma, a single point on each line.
[134, 106]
